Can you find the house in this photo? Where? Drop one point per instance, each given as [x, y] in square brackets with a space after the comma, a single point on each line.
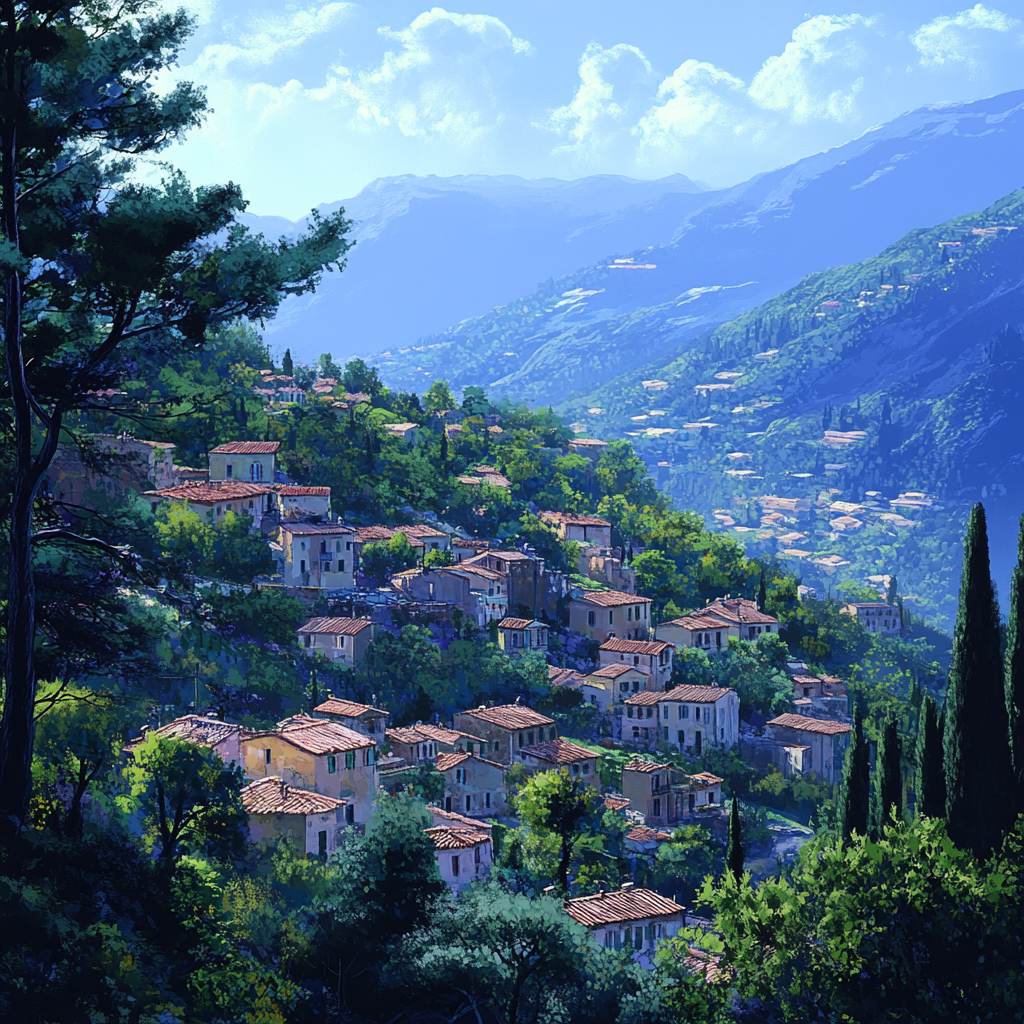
[464, 549]
[420, 743]
[408, 433]
[223, 738]
[636, 919]
[364, 718]
[688, 718]
[667, 796]
[588, 447]
[517, 636]
[561, 753]
[875, 616]
[506, 729]
[819, 746]
[317, 755]
[642, 841]
[211, 501]
[295, 501]
[487, 588]
[587, 531]
[651, 657]
[531, 589]
[456, 820]
[422, 539]
[710, 627]
[337, 639]
[316, 555]
[612, 683]
[603, 614]
[473, 785]
[279, 811]
[464, 854]
[244, 460]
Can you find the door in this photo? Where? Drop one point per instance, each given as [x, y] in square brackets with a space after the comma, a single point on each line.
[322, 845]
[693, 801]
[696, 743]
[447, 803]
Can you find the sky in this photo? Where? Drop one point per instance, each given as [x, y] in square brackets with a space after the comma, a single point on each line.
[311, 101]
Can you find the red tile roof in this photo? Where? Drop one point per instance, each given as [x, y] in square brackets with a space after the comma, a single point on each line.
[811, 724]
[510, 716]
[612, 598]
[559, 752]
[317, 736]
[563, 676]
[620, 646]
[348, 708]
[316, 529]
[517, 623]
[616, 803]
[456, 757]
[707, 779]
[206, 732]
[453, 837]
[421, 733]
[639, 764]
[247, 448]
[273, 796]
[571, 519]
[459, 819]
[643, 834]
[299, 491]
[614, 671]
[210, 492]
[341, 626]
[620, 906]
[688, 694]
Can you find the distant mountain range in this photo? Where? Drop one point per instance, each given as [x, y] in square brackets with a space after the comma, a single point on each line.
[728, 252]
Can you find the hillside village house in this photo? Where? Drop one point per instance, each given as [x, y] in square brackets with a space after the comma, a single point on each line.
[636, 919]
[341, 640]
[709, 628]
[688, 718]
[588, 531]
[611, 684]
[321, 756]
[517, 636]
[506, 729]
[588, 447]
[803, 746]
[295, 501]
[407, 432]
[531, 589]
[603, 614]
[464, 854]
[667, 796]
[561, 753]
[473, 785]
[315, 555]
[419, 743]
[244, 460]
[422, 539]
[651, 657]
[279, 811]
[875, 616]
[364, 718]
[486, 587]
[223, 738]
[463, 549]
[210, 501]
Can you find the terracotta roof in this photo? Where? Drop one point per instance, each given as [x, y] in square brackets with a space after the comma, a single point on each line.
[316, 529]
[370, 533]
[342, 626]
[461, 542]
[805, 680]
[460, 819]
[247, 448]
[643, 834]
[563, 676]
[697, 621]
[273, 796]
[419, 733]
[616, 803]
[707, 779]
[811, 724]
[317, 736]
[419, 530]
[619, 906]
[464, 569]
[688, 694]
[639, 764]
[299, 491]
[517, 623]
[510, 716]
[210, 492]
[620, 646]
[571, 519]
[737, 611]
[614, 671]
[612, 598]
[453, 837]
[348, 708]
[206, 732]
[559, 752]
[456, 757]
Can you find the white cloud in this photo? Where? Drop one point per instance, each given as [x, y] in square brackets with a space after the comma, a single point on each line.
[817, 74]
[961, 38]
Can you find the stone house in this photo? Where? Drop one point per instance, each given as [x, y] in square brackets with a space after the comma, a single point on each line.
[408, 433]
[588, 447]
[506, 729]
[315, 555]
[636, 919]
[817, 746]
[465, 548]
[875, 616]
[651, 657]
[667, 796]
[211, 501]
[709, 628]
[603, 614]
[279, 811]
[223, 738]
[422, 744]
[487, 588]
[531, 589]
[464, 854]
[295, 501]
[321, 756]
[364, 718]
[688, 718]
[473, 785]
[340, 640]
[612, 684]
[244, 460]
[587, 531]
[562, 753]
[517, 636]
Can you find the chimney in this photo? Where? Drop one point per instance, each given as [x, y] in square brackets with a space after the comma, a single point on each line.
[284, 789]
[626, 886]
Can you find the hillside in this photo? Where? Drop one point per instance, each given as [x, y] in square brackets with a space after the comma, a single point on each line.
[902, 373]
[736, 250]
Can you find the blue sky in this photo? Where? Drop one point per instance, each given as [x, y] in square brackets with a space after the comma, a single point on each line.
[313, 100]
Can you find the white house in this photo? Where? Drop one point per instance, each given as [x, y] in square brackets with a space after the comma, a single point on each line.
[316, 555]
[687, 718]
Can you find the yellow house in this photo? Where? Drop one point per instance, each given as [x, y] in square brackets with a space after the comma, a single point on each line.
[244, 460]
[342, 640]
[279, 811]
[603, 614]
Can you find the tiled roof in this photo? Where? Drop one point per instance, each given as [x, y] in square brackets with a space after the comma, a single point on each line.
[316, 736]
[811, 724]
[563, 676]
[614, 671]
[570, 519]
[707, 779]
[612, 598]
[463, 569]
[206, 732]
[299, 491]
[687, 694]
[461, 542]
[419, 530]
[272, 796]
[738, 611]
[517, 623]
[341, 626]
[616, 803]
[247, 448]
[209, 493]
[620, 646]
[510, 716]
[420, 733]
[316, 529]
[697, 621]
[459, 819]
[370, 533]
[454, 837]
[643, 834]
[348, 708]
[639, 764]
[559, 752]
[456, 757]
[619, 906]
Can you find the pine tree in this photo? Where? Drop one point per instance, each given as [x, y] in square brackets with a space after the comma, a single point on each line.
[1014, 678]
[931, 782]
[979, 797]
[888, 777]
[287, 366]
[734, 856]
[856, 782]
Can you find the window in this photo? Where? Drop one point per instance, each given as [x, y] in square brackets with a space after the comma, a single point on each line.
[666, 734]
[487, 799]
[309, 639]
[530, 737]
[469, 803]
[229, 471]
[629, 614]
[636, 685]
[339, 641]
[696, 714]
[368, 756]
[665, 711]
[455, 867]
[608, 940]
[656, 783]
[650, 712]
[682, 739]
[723, 732]
[629, 712]
[348, 545]
[611, 618]
[302, 565]
[332, 764]
[684, 711]
[657, 807]
[636, 661]
[636, 732]
[266, 755]
[350, 814]
[623, 686]
[476, 854]
[350, 759]
[575, 769]
[590, 618]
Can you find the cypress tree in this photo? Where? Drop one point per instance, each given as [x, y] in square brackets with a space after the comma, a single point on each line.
[734, 855]
[980, 805]
[856, 782]
[762, 593]
[287, 366]
[1014, 679]
[888, 777]
[930, 782]
[314, 690]
[444, 448]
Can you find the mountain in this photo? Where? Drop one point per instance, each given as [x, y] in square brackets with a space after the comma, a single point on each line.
[732, 251]
[900, 375]
[431, 251]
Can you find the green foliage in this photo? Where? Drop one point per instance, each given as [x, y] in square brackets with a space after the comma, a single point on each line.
[856, 793]
[439, 397]
[359, 378]
[930, 778]
[681, 864]
[756, 671]
[383, 559]
[734, 854]
[888, 790]
[1014, 672]
[266, 615]
[438, 559]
